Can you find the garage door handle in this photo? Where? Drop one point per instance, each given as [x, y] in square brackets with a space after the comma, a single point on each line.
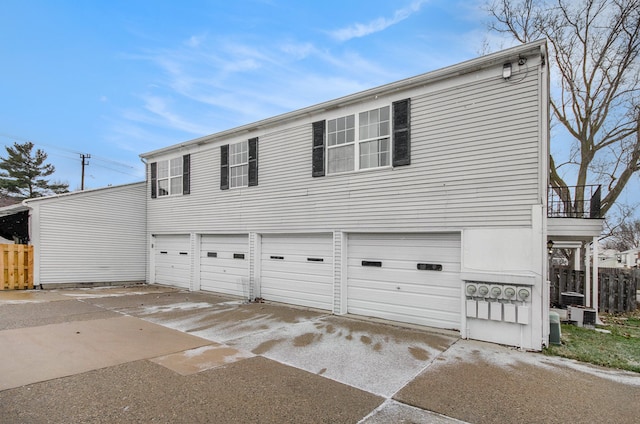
[184, 253]
[277, 257]
[372, 263]
[315, 259]
[163, 253]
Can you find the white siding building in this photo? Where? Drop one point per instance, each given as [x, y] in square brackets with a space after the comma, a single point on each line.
[89, 237]
[388, 203]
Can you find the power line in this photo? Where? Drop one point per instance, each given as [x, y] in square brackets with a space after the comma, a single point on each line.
[75, 154]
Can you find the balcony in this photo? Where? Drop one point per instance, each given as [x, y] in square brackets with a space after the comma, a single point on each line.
[574, 213]
[574, 202]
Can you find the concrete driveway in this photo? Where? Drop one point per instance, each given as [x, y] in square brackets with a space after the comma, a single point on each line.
[156, 354]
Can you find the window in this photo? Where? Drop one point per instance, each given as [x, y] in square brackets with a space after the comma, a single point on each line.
[372, 139]
[170, 177]
[370, 150]
[239, 164]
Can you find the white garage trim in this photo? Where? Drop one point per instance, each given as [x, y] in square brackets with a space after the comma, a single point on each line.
[172, 260]
[224, 263]
[297, 269]
[384, 279]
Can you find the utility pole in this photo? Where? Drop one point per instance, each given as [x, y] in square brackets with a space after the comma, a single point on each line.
[85, 161]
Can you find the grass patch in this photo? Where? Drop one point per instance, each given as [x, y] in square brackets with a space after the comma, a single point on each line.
[619, 349]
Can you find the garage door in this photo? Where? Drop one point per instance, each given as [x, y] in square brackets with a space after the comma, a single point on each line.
[412, 278]
[224, 264]
[298, 269]
[172, 260]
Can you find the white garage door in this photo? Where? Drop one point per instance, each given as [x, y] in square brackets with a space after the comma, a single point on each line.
[172, 260]
[298, 269]
[224, 264]
[413, 278]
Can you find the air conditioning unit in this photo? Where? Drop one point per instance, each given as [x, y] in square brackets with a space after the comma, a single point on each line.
[571, 299]
[583, 317]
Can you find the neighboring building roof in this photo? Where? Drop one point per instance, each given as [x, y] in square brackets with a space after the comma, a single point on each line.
[12, 209]
[429, 77]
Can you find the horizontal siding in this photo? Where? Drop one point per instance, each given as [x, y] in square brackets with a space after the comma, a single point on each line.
[93, 237]
[475, 162]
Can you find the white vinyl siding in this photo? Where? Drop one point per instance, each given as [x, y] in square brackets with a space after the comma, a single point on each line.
[172, 260]
[396, 289]
[224, 264]
[95, 236]
[298, 269]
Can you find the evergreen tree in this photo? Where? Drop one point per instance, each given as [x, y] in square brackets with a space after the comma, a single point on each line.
[23, 173]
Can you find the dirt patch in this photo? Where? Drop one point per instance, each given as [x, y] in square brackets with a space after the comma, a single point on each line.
[306, 339]
[419, 353]
[391, 333]
[366, 340]
[377, 347]
[264, 347]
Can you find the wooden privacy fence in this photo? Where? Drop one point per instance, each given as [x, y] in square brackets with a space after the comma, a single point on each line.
[616, 287]
[16, 263]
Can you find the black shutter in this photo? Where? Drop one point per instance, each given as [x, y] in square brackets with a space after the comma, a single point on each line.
[186, 174]
[253, 162]
[318, 149]
[154, 179]
[224, 167]
[401, 132]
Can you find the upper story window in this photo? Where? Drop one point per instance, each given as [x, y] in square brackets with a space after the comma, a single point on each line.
[170, 177]
[371, 139]
[368, 147]
[239, 164]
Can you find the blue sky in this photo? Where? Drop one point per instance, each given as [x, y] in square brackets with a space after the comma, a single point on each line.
[120, 77]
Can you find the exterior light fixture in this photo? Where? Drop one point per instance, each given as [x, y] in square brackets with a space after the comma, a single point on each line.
[550, 246]
[506, 71]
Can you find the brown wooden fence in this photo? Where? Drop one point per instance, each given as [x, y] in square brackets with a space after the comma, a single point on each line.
[16, 263]
[616, 287]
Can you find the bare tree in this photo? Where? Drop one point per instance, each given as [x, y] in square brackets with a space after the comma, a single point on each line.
[594, 46]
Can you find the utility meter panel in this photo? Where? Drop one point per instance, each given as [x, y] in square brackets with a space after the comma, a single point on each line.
[498, 302]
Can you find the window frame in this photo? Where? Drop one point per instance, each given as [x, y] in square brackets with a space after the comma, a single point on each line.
[357, 143]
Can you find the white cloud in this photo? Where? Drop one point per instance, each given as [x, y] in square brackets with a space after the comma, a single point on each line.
[161, 114]
[360, 30]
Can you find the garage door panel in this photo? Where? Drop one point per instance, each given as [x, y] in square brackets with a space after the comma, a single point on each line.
[394, 286]
[292, 292]
[223, 265]
[440, 319]
[403, 276]
[288, 275]
[311, 259]
[285, 284]
[220, 271]
[431, 301]
[399, 253]
[397, 289]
